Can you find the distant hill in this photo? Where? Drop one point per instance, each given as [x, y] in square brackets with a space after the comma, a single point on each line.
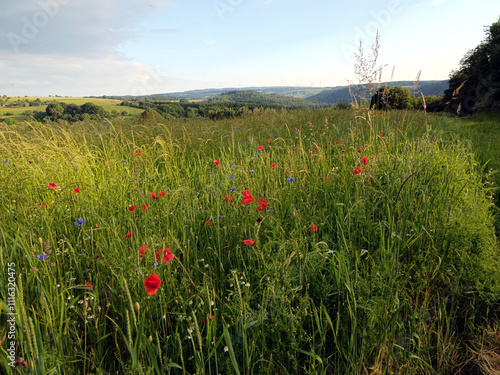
[255, 99]
[291, 91]
[333, 96]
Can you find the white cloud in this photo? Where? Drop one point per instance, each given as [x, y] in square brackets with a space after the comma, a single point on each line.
[49, 74]
[438, 2]
[78, 76]
[83, 28]
[55, 46]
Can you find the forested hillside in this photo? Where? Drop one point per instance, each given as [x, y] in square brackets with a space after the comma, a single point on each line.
[345, 93]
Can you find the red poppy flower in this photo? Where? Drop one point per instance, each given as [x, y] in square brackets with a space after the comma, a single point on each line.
[228, 198]
[132, 208]
[358, 170]
[313, 228]
[129, 234]
[161, 193]
[53, 186]
[248, 242]
[167, 255]
[262, 205]
[143, 207]
[269, 140]
[88, 285]
[247, 198]
[137, 153]
[273, 165]
[365, 160]
[143, 250]
[208, 222]
[341, 140]
[314, 151]
[216, 162]
[329, 142]
[152, 283]
[336, 141]
[262, 202]
[77, 190]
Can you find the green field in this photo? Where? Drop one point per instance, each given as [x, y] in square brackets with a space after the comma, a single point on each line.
[289, 242]
[107, 104]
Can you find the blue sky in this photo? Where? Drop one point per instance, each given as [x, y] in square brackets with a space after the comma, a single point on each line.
[137, 47]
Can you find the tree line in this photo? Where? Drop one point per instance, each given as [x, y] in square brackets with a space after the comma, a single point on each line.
[71, 112]
[227, 105]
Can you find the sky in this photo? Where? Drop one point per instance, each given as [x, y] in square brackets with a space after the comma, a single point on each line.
[144, 47]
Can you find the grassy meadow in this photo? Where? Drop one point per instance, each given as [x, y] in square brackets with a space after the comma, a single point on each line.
[291, 242]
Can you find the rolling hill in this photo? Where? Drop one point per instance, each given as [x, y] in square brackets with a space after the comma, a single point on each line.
[256, 99]
[333, 96]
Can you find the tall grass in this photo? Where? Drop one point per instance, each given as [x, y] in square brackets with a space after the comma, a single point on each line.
[394, 279]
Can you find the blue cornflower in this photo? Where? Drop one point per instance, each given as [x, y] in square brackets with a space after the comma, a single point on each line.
[252, 171]
[231, 177]
[42, 256]
[291, 179]
[5, 161]
[270, 211]
[209, 172]
[233, 166]
[79, 222]
[124, 161]
[275, 136]
[220, 217]
[233, 189]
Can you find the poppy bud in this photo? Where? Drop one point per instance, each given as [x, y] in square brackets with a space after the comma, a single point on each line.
[137, 306]
[150, 338]
[19, 361]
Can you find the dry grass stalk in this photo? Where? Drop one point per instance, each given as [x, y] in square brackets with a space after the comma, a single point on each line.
[488, 357]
